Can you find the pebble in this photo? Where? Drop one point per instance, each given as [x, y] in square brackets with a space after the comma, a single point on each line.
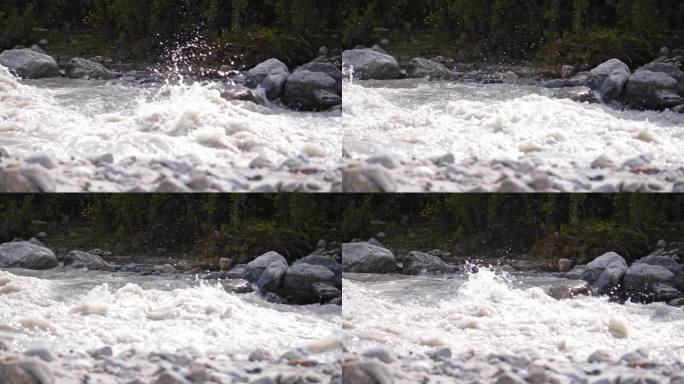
[42, 353]
[380, 353]
[42, 159]
[387, 160]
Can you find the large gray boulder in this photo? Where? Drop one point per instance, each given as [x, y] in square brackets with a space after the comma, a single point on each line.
[362, 257]
[422, 68]
[300, 280]
[327, 262]
[664, 261]
[419, 263]
[80, 259]
[311, 91]
[24, 254]
[609, 79]
[78, 68]
[267, 271]
[29, 64]
[269, 75]
[369, 64]
[326, 68]
[652, 90]
[641, 277]
[596, 267]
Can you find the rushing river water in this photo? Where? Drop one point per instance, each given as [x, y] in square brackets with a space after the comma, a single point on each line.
[489, 313]
[420, 119]
[86, 118]
[78, 311]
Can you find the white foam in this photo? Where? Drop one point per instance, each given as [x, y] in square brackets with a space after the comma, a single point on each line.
[419, 119]
[491, 314]
[89, 118]
[203, 316]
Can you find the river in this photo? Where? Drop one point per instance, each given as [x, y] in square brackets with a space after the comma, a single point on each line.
[76, 120]
[416, 120]
[488, 314]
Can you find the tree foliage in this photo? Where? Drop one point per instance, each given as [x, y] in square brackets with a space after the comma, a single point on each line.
[510, 27]
[151, 22]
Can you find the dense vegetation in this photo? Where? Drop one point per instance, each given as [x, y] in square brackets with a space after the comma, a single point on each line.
[242, 226]
[571, 31]
[206, 226]
[133, 29]
[548, 226]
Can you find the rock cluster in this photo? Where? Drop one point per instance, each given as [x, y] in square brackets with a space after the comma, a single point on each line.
[315, 86]
[185, 366]
[316, 278]
[656, 277]
[372, 257]
[381, 365]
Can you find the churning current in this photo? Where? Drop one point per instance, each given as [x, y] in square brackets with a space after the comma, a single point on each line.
[495, 313]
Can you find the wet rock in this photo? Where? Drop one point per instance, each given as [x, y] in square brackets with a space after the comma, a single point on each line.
[664, 261]
[362, 257]
[326, 293]
[609, 78]
[371, 372]
[665, 292]
[652, 90]
[78, 68]
[579, 80]
[640, 278]
[441, 354]
[418, 263]
[102, 353]
[260, 355]
[267, 271]
[29, 64]
[171, 185]
[165, 268]
[237, 272]
[27, 179]
[42, 159]
[511, 185]
[576, 272]
[595, 268]
[368, 179]
[24, 254]
[300, 279]
[269, 75]
[169, 377]
[602, 162]
[239, 92]
[197, 373]
[424, 68]
[509, 378]
[260, 162]
[569, 290]
[41, 353]
[328, 69]
[80, 259]
[369, 64]
[28, 370]
[380, 353]
[387, 160]
[311, 91]
[600, 356]
[326, 262]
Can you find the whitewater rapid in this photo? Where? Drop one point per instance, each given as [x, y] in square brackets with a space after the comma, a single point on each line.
[489, 313]
[423, 120]
[79, 311]
[68, 118]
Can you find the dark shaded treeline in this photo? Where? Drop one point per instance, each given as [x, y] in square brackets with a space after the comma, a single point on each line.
[291, 28]
[209, 226]
[545, 225]
[537, 225]
[558, 30]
